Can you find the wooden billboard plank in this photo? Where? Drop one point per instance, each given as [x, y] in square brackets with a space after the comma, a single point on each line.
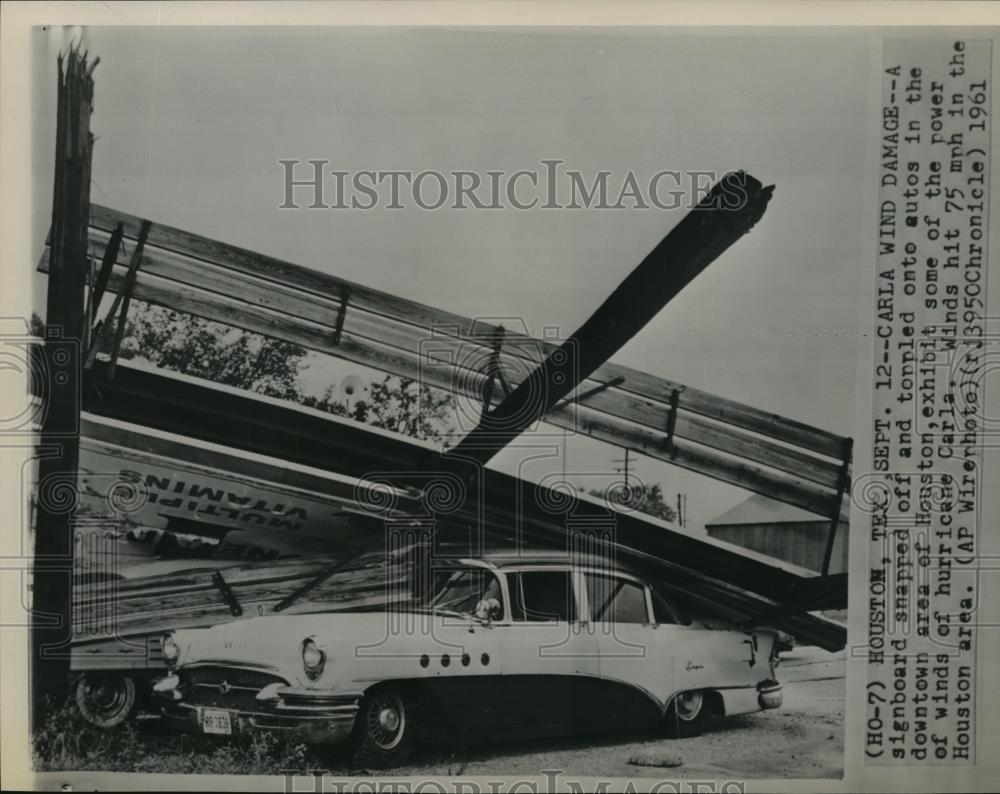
[695, 456]
[278, 271]
[144, 603]
[172, 403]
[327, 286]
[216, 280]
[692, 426]
[357, 344]
[264, 589]
[779, 428]
[131, 442]
[704, 460]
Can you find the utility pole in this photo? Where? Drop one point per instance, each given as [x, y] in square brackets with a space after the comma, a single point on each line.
[624, 467]
[58, 470]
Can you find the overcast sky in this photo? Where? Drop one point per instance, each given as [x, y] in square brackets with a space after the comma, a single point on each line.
[191, 124]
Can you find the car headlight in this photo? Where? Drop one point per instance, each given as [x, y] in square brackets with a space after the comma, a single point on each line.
[313, 658]
[171, 650]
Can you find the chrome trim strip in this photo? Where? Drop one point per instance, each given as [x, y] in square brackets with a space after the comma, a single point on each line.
[293, 714]
[232, 687]
[313, 694]
[332, 711]
[254, 715]
[232, 665]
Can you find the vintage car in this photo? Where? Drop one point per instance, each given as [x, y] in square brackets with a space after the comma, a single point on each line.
[496, 646]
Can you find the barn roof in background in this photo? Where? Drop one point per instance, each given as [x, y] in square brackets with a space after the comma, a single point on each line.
[759, 509]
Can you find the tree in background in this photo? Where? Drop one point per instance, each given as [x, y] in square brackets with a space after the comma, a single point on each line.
[646, 499]
[220, 353]
[223, 354]
[398, 404]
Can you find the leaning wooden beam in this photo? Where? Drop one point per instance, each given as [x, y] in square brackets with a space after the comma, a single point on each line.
[733, 442]
[639, 397]
[197, 409]
[691, 246]
[683, 453]
[109, 437]
[704, 460]
[250, 306]
[724, 438]
[181, 255]
[205, 414]
[692, 447]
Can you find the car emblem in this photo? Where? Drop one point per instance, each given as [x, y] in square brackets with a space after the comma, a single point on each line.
[224, 687]
[692, 666]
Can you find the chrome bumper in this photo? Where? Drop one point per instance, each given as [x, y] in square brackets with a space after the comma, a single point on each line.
[325, 717]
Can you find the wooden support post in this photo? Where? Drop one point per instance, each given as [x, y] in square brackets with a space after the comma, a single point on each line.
[227, 594]
[51, 583]
[494, 372]
[579, 398]
[88, 302]
[675, 399]
[345, 298]
[326, 575]
[107, 265]
[835, 520]
[118, 313]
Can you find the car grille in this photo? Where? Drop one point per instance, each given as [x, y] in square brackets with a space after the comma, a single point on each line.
[225, 687]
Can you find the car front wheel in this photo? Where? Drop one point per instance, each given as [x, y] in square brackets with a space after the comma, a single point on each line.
[384, 732]
[688, 714]
[106, 701]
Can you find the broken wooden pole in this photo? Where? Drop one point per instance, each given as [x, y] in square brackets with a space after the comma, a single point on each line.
[730, 210]
[64, 334]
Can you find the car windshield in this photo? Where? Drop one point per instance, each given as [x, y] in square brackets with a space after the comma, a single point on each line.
[466, 591]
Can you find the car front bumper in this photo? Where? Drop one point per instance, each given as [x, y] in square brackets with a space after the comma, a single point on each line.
[316, 716]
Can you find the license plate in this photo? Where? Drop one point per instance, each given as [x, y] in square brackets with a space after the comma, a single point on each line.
[215, 721]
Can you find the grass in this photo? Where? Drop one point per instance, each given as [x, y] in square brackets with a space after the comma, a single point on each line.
[65, 741]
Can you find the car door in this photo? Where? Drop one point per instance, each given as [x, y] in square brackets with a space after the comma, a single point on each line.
[707, 654]
[457, 658]
[636, 654]
[550, 663]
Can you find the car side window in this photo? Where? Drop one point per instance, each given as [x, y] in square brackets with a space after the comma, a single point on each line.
[663, 610]
[541, 596]
[462, 590]
[614, 600]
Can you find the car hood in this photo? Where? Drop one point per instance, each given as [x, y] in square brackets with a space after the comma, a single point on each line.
[275, 641]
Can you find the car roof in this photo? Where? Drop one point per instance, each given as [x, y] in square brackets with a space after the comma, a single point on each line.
[528, 558]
